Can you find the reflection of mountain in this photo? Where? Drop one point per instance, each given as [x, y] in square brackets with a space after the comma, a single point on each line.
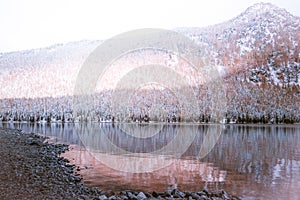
[245, 159]
[257, 53]
[259, 148]
[268, 156]
[184, 174]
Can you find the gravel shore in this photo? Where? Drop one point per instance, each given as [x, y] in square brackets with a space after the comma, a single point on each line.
[32, 169]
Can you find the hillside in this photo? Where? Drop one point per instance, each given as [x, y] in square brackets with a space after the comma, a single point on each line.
[264, 37]
[257, 50]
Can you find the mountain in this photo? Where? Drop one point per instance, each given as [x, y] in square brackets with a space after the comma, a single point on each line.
[46, 72]
[264, 37]
[258, 51]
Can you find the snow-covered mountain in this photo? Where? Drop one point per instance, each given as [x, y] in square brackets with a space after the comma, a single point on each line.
[258, 51]
[46, 72]
[262, 40]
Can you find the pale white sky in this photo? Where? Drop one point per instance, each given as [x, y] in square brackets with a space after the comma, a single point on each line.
[39, 23]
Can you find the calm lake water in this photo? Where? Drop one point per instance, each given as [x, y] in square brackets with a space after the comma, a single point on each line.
[250, 161]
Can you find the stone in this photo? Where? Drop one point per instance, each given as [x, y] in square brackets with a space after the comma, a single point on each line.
[204, 197]
[195, 196]
[131, 196]
[168, 193]
[83, 197]
[109, 193]
[103, 197]
[216, 198]
[225, 195]
[201, 193]
[141, 196]
[123, 193]
[112, 198]
[155, 194]
[180, 194]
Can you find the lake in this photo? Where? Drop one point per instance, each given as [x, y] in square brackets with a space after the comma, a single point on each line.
[250, 161]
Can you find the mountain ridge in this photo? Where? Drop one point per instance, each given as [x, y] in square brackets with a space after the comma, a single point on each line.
[255, 7]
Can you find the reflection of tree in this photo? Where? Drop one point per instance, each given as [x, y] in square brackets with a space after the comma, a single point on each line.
[257, 150]
[254, 155]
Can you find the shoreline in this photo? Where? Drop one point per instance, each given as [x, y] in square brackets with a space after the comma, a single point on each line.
[32, 168]
[158, 123]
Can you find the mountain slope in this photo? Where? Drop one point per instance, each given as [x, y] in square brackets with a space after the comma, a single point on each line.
[258, 51]
[263, 36]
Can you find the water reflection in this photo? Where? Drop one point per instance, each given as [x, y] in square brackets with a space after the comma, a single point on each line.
[255, 162]
[122, 148]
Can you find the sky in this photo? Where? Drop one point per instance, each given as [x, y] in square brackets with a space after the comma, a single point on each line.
[35, 23]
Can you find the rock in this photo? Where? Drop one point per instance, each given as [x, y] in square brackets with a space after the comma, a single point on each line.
[46, 175]
[103, 197]
[204, 197]
[131, 196]
[123, 193]
[208, 194]
[112, 197]
[141, 196]
[148, 195]
[34, 142]
[201, 193]
[155, 194]
[235, 198]
[225, 195]
[216, 198]
[168, 193]
[187, 193]
[83, 197]
[195, 196]
[180, 194]
[173, 191]
[109, 193]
